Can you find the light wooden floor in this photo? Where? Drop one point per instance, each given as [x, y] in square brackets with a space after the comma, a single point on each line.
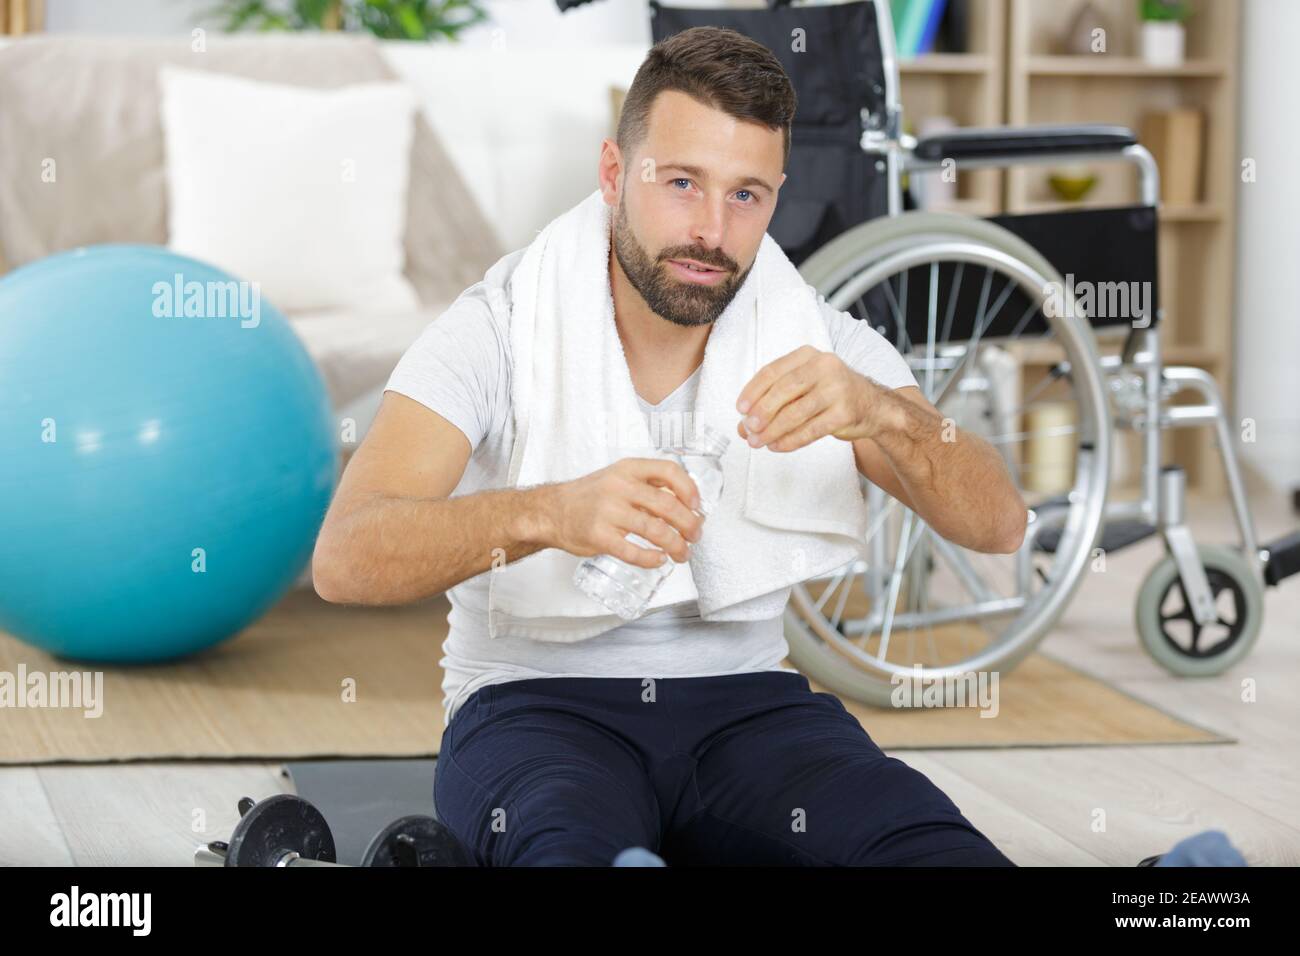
[1043, 806]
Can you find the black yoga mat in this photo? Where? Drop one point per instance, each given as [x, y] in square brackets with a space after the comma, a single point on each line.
[360, 797]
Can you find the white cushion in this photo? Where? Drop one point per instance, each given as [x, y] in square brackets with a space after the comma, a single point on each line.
[300, 190]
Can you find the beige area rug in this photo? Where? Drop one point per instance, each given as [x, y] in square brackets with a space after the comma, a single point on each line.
[317, 680]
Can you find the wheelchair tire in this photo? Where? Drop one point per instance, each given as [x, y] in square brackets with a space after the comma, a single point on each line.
[828, 657]
[1228, 573]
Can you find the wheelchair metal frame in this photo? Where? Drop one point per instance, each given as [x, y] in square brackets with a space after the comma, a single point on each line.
[1139, 368]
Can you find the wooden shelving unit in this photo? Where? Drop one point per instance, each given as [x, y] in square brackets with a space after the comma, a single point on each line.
[1016, 75]
[1197, 242]
[947, 63]
[1107, 65]
[968, 88]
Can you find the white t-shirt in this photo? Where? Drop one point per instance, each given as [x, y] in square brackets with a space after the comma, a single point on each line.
[460, 368]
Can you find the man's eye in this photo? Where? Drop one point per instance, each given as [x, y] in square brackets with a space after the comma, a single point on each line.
[681, 180]
[747, 192]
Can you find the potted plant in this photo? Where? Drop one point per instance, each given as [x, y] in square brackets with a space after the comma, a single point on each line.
[1162, 31]
[387, 19]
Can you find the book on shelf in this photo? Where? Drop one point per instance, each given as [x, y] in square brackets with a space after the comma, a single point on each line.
[1175, 139]
[916, 25]
[926, 26]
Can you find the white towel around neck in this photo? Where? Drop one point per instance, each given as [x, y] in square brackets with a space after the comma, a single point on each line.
[783, 517]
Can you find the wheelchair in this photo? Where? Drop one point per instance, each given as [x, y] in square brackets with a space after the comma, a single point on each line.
[959, 297]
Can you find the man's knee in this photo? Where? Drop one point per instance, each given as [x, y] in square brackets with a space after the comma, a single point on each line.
[924, 826]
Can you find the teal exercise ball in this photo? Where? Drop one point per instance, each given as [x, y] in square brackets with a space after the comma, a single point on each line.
[167, 455]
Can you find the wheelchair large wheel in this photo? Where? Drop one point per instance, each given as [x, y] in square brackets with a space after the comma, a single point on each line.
[919, 608]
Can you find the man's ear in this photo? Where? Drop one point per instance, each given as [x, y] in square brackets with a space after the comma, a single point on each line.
[610, 171]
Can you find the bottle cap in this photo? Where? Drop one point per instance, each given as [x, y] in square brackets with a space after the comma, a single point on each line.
[708, 440]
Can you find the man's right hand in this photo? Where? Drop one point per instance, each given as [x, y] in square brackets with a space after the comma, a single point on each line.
[592, 514]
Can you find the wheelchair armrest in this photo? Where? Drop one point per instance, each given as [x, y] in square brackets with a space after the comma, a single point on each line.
[1016, 142]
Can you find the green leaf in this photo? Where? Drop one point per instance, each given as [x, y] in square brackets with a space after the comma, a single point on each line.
[423, 20]
[412, 25]
[312, 11]
[1167, 10]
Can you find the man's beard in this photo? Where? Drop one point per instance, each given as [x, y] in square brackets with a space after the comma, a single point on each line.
[676, 300]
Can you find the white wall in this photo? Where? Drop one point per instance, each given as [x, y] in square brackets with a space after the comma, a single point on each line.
[1267, 351]
[138, 17]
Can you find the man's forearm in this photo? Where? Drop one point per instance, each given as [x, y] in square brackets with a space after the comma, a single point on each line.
[958, 483]
[388, 550]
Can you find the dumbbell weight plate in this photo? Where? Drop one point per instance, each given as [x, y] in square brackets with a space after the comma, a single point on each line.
[416, 840]
[277, 825]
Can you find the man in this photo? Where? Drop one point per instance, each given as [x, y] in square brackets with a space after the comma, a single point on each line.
[670, 732]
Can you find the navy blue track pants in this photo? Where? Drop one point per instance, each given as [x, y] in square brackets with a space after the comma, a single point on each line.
[739, 770]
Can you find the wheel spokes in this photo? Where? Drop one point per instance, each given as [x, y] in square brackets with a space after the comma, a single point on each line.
[946, 598]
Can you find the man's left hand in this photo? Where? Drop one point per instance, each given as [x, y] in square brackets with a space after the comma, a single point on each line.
[803, 396]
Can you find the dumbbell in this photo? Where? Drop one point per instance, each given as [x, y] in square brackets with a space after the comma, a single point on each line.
[285, 830]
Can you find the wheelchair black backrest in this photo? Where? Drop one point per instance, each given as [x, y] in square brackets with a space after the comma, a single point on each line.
[832, 55]
[1106, 258]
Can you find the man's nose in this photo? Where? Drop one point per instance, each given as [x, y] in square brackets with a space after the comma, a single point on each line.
[710, 224]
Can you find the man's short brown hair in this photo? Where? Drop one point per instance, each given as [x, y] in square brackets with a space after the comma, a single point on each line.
[716, 66]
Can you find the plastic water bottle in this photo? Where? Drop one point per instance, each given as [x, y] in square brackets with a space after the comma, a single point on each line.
[627, 589]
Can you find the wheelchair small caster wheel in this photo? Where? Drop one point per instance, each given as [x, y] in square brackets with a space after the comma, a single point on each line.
[1169, 632]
